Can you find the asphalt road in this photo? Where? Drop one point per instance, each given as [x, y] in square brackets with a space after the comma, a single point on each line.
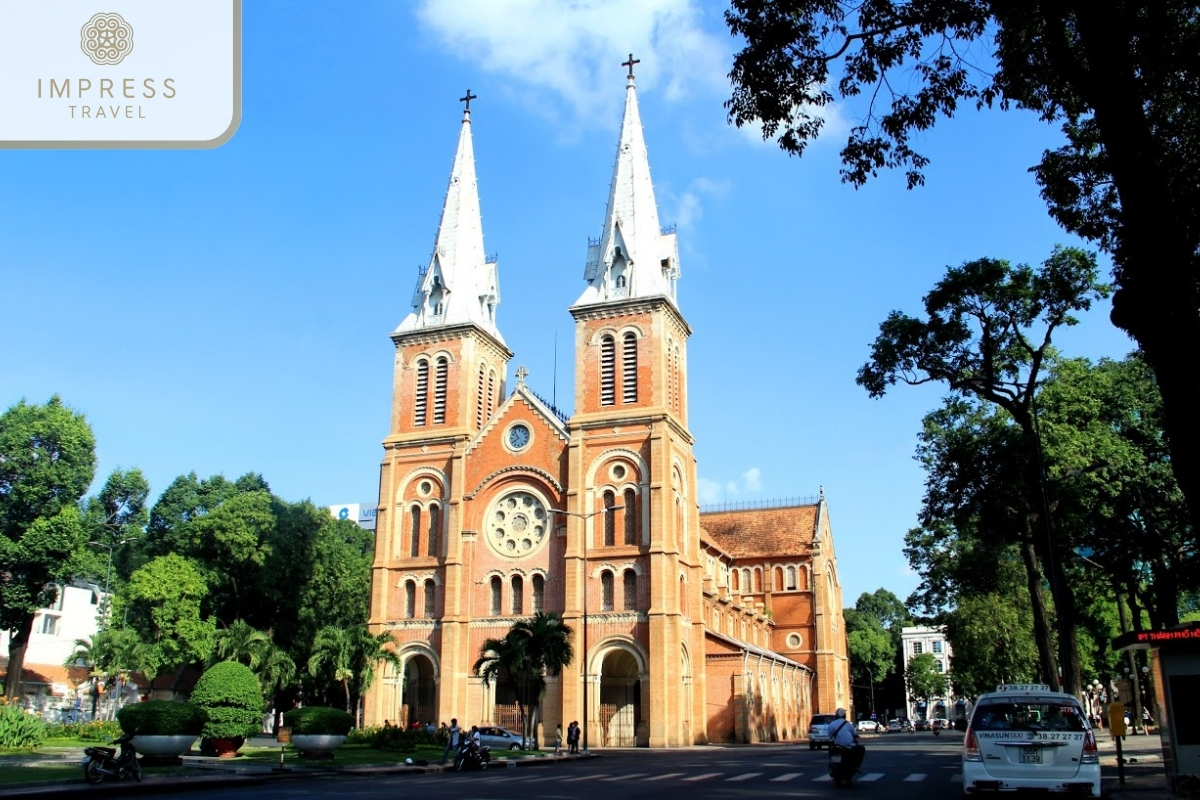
[897, 766]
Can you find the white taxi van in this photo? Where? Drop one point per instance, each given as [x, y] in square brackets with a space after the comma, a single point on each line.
[1024, 736]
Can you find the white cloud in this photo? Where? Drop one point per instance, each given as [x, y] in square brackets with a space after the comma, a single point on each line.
[713, 492]
[836, 126]
[709, 491]
[752, 479]
[688, 206]
[573, 50]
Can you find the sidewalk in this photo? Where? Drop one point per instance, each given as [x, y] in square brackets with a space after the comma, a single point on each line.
[1145, 778]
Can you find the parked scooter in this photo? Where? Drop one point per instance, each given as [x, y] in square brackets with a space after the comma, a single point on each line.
[844, 763]
[472, 756]
[104, 762]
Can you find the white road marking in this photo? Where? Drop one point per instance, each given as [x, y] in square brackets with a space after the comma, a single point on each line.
[705, 776]
[823, 778]
[744, 777]
[668, 775]
[916, 776]
[626, 777]
[787, 776]
[871, 776]
[584, 778]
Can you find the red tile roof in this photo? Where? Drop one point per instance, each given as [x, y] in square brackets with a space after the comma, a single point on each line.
[762, 532]
[46, 674]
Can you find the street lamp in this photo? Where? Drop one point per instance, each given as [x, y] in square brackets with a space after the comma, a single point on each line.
[108, 575]
[586, 516]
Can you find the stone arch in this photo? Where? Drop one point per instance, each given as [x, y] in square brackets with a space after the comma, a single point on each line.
[410, 693]
[622, 678]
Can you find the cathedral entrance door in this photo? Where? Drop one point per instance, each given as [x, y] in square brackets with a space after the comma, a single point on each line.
[620, 700]
[420, 691]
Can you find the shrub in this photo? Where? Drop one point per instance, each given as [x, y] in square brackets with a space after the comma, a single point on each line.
[230, 694]
[20, 731]
[101, 730]
[363, 735]
[162, 718]
[319, 721]
[401, 740]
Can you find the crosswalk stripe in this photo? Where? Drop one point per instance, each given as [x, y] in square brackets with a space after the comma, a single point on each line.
[823, 778]
[787, 776]
[745, 777]
[664, 777]
[584, 778]
[871, 776]
[916, 776]
[626, 777]
[704, 777]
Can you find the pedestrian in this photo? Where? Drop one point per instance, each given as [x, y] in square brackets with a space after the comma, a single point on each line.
[558, 739]
[573, 737]
[452, 742]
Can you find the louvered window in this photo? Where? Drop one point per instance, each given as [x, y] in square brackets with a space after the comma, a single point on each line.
[435, 528]
[630, 590]
[631, 517]
[610, 521]
[430, 599]
[608, 367]
[629, 388]
[539, 593]
[518, 595]
[439, 396]
[491, 406]
[410, 599]
[422, 392]
[479, 398]
[606, 591]
[496, 583]
[414, 545]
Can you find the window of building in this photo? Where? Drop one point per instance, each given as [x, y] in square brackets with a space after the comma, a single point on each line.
[49, 625]
[518, 595]
[496, 582]
[631, 517]
[608, 371]
[480, 397]
[410, 599]
[629, 387]
[606, 591]
[491, 400]
[630, 579]
[422, 393]
[439, 391]
[610, 521]
[791, 579]
[414, 545]
[938, 666]
[430, 599]
[539, 593]
[435, 527]
[937, 647]
[918, 649]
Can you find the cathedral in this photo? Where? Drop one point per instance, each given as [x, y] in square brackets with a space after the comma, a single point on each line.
[494, 505]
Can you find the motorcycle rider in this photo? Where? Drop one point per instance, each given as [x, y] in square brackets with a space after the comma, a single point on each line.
[845, 737]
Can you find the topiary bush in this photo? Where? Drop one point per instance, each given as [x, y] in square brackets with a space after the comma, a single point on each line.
[20, 731]
[229, 693]
[162, 718]
[318, 721]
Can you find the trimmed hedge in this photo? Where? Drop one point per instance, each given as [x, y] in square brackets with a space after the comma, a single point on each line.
[162, 718]
[230, 694]
[318, 721]
[20, 731]
[98, 731]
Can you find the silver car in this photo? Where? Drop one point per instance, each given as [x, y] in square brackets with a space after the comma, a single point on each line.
[499, 738]
[1024, 736]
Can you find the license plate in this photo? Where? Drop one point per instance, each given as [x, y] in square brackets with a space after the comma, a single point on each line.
[1031, 755]
[835, 759]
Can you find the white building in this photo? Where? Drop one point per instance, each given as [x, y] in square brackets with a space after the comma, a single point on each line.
[915, 641]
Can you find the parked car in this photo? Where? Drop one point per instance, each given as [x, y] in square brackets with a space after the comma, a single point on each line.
[894, 726]
[499, 738]
[1024, 736]
[868, 726]
[818, 731]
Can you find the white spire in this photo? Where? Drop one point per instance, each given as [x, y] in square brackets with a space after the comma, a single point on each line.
[634, 257]
[460, 285]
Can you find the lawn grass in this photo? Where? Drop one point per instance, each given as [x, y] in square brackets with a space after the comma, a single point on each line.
[56, 771]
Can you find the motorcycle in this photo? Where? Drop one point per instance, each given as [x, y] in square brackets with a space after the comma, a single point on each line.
[104, 762]
[472, 756]
[844, 763]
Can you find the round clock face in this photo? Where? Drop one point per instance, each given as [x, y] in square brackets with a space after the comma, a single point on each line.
[518, 437]
[518, 524]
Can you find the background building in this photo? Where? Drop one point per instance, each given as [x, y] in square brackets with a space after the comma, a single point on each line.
[915, 641]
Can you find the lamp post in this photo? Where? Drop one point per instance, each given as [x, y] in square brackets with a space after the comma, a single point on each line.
[110, 546]
[586, 516]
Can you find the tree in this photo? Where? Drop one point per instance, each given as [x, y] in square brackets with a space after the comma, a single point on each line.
[990, 636]
[987, 334]
[242, 643]
[923, 679]
[372, 650]
[165, 607]
[1119, 75]
[873, 635]
[47, 461]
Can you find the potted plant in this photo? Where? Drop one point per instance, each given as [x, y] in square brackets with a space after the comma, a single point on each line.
[163, 730]
[231, 696]
[318, 731]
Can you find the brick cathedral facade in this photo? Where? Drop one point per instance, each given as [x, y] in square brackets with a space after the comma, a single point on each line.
[493, 506]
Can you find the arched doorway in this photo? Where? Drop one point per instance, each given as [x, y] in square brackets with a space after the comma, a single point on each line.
[620, 699]
[419, 691]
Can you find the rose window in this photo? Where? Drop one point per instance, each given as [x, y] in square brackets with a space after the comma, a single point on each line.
[517, 524]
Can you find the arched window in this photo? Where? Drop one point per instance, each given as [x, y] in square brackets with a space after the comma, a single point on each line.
[758, 579]
[480, 397]
[747, 586]
[410, 599]
[422, 394]
[777, 579]
[518, 595]
[791, 579]
[439, 395]
[608, 371]
[734, 578]
[606, 591]
[496, 595]
[610, 522]
[631, 517]
[430, 599]
[539, 593]
[629, 393]
[414, 545]
[630, 579]
[435, 528]
[491, 403]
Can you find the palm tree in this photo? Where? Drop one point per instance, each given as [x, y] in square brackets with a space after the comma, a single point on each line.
[373, 650]
[110, 653]
[241, 642]
[334, 646]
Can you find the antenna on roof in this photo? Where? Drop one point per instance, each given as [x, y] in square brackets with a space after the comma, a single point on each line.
[554, 379]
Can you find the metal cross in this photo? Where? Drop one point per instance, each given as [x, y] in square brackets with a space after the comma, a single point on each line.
[469, 97]
[630, 64]
[521, 373]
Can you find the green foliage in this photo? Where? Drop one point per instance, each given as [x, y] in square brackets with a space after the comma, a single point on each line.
[162, 718]
[20, 731]
[923, 680]
[318, 720]
[101, 730]
[403, 740]
[165, 598]
[991, 635]
[229, 692]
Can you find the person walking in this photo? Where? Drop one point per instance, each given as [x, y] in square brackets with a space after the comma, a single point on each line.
[452, 742]
[558, 739]
[573, 738]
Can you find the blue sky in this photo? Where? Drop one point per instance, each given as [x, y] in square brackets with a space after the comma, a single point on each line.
[228, 311]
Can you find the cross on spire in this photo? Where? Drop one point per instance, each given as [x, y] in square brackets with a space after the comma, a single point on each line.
[468, 98]
[522, 373]
[630, 64]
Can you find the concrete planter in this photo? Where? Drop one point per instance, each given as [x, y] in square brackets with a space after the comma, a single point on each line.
[313, 745]
[163, 745]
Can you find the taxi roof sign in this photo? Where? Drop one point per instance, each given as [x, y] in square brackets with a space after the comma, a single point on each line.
[1023, 687]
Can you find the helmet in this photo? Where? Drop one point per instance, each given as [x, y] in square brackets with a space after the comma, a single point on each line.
[840, 713]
